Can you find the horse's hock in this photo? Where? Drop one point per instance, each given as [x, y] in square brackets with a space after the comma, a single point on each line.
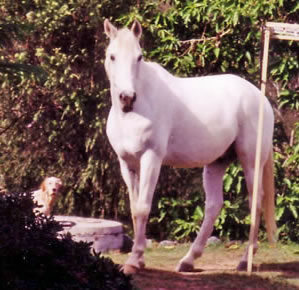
[104, 234]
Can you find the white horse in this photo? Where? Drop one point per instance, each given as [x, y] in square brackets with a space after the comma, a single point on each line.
[158, 119]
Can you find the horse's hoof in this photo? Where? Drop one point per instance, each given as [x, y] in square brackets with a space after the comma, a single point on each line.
[242, 266]
[185, 267]
[141, 265]
[129, 269]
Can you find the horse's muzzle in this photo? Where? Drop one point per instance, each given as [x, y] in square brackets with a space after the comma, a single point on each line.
[127, 101]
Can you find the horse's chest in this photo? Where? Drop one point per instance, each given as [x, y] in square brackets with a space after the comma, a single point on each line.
[129, 137]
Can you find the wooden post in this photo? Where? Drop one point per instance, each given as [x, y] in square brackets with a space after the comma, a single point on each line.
[283, 31]
[258, 150]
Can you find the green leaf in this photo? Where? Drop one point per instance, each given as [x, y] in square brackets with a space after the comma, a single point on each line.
[228, 181]
[217, 52]
[236, 18]
[248, 56]
[279, 212]
[294, 211]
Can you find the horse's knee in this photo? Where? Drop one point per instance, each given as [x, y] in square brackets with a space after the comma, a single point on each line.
[212, 209]
[142, 210]
[139, 213]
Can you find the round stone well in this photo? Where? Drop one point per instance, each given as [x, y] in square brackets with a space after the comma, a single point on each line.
[105, 235]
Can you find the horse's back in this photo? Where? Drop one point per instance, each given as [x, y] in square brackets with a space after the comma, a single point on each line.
[222, 88]
[221, 99]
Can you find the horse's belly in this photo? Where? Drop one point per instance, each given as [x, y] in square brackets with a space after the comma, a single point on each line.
[189, 159]
[177, 159]
[197, 150]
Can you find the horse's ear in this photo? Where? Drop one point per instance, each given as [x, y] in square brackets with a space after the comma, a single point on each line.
[110, 29]
[136, 28]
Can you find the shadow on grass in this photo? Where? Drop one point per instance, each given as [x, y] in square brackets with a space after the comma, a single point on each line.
[157, 279]
[288, 270]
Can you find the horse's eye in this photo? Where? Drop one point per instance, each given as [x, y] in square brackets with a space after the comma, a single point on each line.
[139, 58]
[112, 57]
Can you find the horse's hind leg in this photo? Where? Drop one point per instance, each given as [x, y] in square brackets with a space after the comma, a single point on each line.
[249, 176]
[212, 177]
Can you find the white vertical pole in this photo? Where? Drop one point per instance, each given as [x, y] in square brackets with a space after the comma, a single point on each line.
[258, 148]
[265, 61]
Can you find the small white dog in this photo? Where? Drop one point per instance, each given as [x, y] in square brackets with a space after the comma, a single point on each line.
[46, 196]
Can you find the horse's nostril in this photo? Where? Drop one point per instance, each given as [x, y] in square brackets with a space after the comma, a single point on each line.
[123, 97]
[127, 98]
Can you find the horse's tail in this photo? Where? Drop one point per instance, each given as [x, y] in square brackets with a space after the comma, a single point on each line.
[269, 199]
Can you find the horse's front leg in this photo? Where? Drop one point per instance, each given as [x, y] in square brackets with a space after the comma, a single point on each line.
[212, 177]
[150, 165]
[131, 178]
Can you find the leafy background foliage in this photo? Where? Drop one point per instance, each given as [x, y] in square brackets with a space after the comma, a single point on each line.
[53, 112]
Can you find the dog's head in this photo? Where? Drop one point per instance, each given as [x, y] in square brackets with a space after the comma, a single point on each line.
[51, 185]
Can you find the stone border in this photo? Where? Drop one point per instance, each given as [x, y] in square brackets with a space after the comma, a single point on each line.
[104, 235]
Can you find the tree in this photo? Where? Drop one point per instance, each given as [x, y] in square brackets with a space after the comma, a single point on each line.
[58, 127]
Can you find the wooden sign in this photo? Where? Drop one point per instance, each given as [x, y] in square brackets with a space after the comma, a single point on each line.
[283, 31]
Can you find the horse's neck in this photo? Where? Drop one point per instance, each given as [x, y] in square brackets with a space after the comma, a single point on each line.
[155, 73]
[153, 83]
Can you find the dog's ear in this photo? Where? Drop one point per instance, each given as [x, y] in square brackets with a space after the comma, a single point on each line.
[43, 185]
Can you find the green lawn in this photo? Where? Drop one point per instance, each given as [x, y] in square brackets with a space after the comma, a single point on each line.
[274, 268]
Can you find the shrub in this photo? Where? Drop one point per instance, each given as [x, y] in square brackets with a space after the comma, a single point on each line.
[33, 257]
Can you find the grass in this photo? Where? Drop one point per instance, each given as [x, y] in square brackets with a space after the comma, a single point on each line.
[274, 268]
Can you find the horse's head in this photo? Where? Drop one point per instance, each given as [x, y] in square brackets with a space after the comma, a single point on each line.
[123, 59]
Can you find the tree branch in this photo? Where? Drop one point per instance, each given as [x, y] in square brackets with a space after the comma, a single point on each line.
[192, 42]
